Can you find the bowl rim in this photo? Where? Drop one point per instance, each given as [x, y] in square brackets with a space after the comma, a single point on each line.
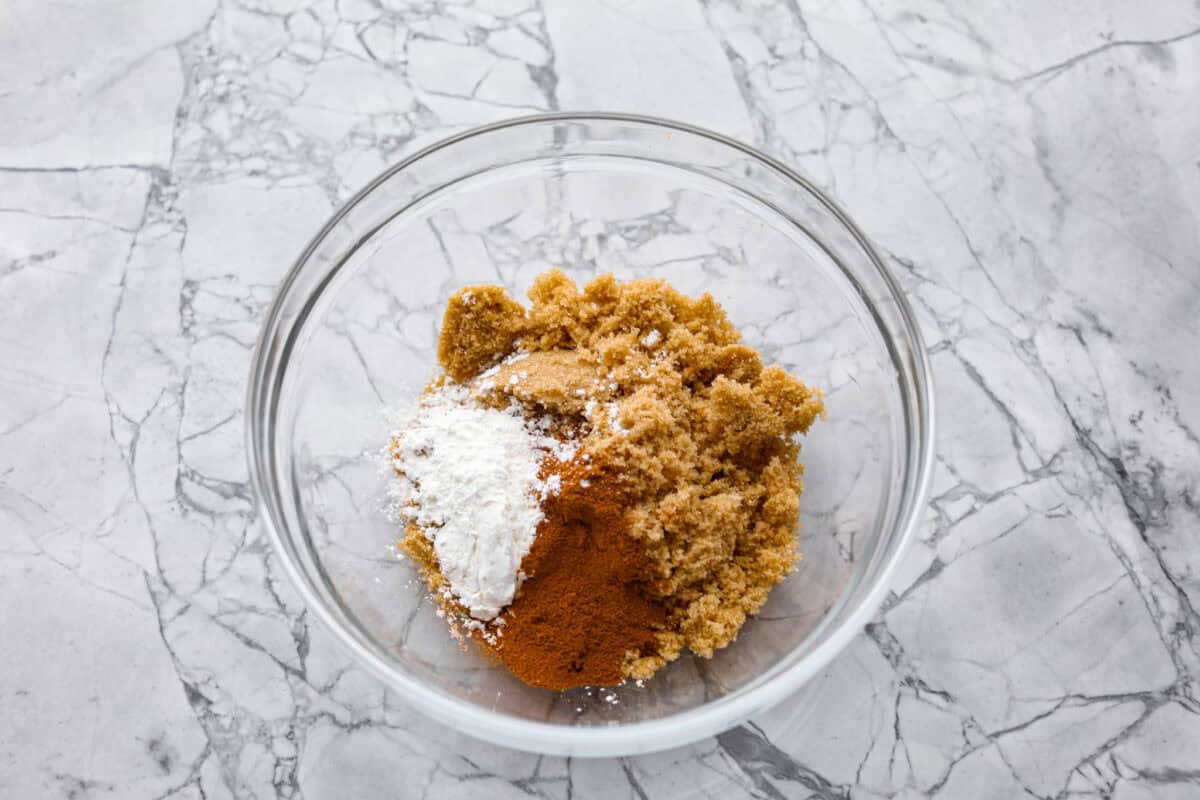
[674, 730]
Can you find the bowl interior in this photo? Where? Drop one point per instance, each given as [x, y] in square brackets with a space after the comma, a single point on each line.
[362, 338]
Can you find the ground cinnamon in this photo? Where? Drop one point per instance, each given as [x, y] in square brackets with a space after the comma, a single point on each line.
[582, 611]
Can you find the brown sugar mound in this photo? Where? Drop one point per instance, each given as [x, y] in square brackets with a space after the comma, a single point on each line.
[699, 438]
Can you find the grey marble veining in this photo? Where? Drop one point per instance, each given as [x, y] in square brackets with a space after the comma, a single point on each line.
[1031, 171]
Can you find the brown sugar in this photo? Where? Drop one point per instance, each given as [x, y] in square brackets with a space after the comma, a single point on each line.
[479, 323]
[696, 435]
[556, 381]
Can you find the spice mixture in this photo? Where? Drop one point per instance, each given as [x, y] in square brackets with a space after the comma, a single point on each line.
[601, 481]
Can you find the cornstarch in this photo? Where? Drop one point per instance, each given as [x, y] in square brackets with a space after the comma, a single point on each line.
[468, 475]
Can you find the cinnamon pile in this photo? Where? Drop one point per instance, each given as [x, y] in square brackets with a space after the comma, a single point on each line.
[584, 611]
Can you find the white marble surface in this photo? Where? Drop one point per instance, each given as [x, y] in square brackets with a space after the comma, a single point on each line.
[1030, 170]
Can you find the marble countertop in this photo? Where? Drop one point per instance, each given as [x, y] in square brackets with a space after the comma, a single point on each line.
[1031, 171]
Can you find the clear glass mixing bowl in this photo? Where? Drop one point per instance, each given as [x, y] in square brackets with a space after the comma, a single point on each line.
[353, 330]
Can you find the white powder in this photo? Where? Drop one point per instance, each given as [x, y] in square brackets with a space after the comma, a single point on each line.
[614, 419]
[552, 486]
[469, 477]
[652, 338]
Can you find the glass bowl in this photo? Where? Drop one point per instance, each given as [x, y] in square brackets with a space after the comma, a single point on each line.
[353, 331]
